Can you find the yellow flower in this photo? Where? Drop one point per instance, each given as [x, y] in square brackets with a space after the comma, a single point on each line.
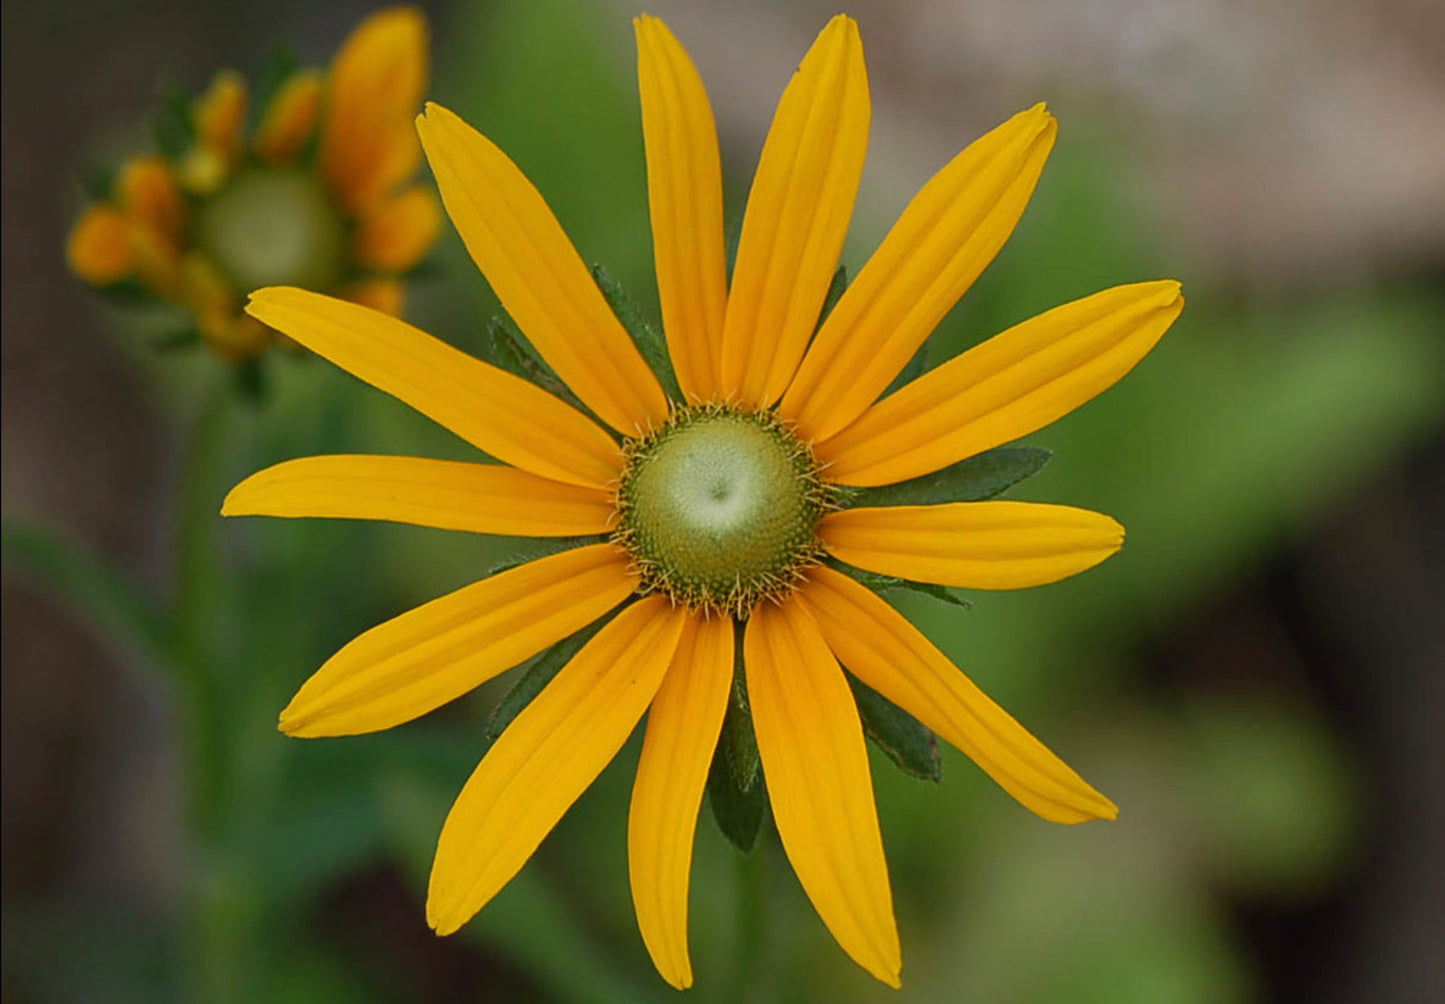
[317, 195]
[725, 507]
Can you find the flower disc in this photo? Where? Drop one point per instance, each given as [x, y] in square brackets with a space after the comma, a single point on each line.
[274, 228]
[719, 507]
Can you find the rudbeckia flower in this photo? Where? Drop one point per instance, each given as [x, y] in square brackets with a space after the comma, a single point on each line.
[727, 523]
[316, 194]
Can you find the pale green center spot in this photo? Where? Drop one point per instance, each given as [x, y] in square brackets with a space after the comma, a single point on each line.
[719, 507]
[274, 228]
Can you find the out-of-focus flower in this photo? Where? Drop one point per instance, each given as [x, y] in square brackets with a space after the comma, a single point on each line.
[732, 502]
[315, 192]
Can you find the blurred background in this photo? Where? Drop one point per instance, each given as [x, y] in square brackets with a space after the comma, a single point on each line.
[1256, 679]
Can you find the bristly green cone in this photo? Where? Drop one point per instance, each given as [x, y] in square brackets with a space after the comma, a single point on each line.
[719, 508]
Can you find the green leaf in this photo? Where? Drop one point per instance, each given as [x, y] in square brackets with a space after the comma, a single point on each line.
[908, 742]
[251, 381]
[916, 367]
[174, 129]
[535, 674]
[80, 580]
[834, 294]
[973, 480]
[647, 339]
[736, 789]
[508, 350]
[880, 583]
[178, 338]
[544, 549]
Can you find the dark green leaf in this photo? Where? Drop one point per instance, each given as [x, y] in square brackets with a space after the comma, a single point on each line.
[885, 583]
[732, 236]
[251, 381]
[835, 293]
[180, 338]
[507, 349]
[647, 339]
[735, 785]
[175, 130]
[126, 292]
[917, 366]
[544, 549]
[112, 606]
[908, 743]
[533, 675]
[972, 480]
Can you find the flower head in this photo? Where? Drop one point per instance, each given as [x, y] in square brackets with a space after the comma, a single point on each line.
[316, 194]
[730, 523]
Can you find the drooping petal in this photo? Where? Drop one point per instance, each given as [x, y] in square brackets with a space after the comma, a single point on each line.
[976, 545]
[947, 236]
[889, 654]
[98, 249]
[399, 231]
[1009, 386]
[480, 498]
[375, 84]
[797, 216]
[440, 650]
[493, 410]
[547, 757]
[821, 792]
[684, 191]
[537, 274]
[290, 118]
[682, 730]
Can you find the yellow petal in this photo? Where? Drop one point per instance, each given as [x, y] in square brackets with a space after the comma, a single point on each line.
[682, 731]
[547, 757]
[148, 193]
[377, 79]
[399, 231]
[977, 545]
[155, 261]
[480, 498]
[1009, 386]
[440, 650]
[950, 231]
[98, 248]
[536, 273]
[504, 415]
[797, 216]
[684, 191]
[384, 294]
[821, 792]
[220, 113]
[885, 651]
[290, 118]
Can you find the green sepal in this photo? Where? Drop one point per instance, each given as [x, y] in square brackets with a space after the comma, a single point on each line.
[880, 583]
[908, 742]
[980, 477]
[508, 350]
[915, 368]
[533, 675]
[836, 286]
[176, 339]
[276, 68]
[127, 292]
[174, 128]
[97, 181]
[545, 548]
[736, 789]
[648, 340]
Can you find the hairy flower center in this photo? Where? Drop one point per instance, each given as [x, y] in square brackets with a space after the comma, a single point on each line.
[718, 508]
[273, 228]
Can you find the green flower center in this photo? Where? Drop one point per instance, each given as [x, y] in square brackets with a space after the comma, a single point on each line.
[718, 508]
[273, 228]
